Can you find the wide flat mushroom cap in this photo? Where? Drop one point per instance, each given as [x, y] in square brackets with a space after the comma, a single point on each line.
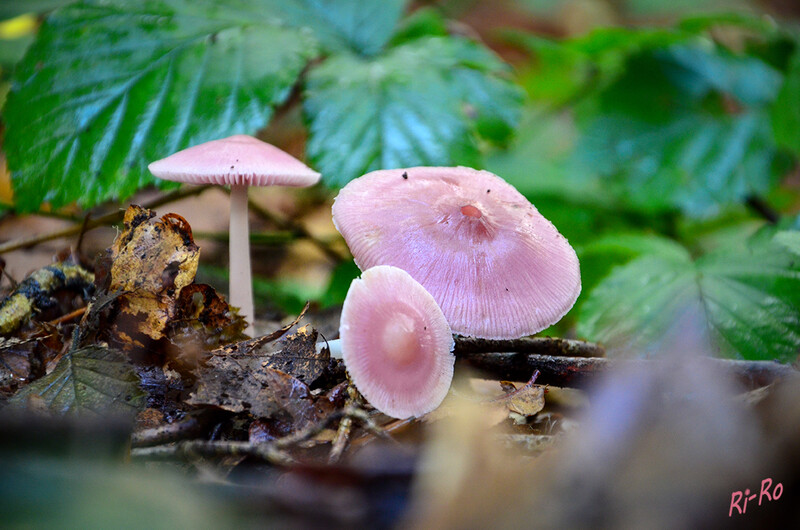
[396, 343]
[495, 265]
[236, 160]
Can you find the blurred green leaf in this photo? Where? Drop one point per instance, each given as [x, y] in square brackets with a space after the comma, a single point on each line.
[15, 8]
[419, 103]
[109, 87]
[424, 22]
[346, 25]
[343, 275]
[93, 381]
[746, 298]
[683, 128]
[786, 110]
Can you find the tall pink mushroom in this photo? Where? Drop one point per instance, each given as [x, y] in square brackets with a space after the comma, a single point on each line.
[494, 264]
[239, 162]
[396, 343]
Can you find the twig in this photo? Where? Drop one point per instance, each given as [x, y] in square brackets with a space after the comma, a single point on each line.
[542, 345]
[577, 371]
[762, 208]
[299, 230]
[193, 449]
[171, 432]
[69, 316]
[107, 219]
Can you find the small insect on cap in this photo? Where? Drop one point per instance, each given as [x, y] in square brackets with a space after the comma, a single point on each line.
[495, 265]
[236, 160]
[396, 343]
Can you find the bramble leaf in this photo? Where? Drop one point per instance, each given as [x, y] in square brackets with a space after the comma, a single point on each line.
[91, 380]
[420, 103]
[746, 299]
[109, 87]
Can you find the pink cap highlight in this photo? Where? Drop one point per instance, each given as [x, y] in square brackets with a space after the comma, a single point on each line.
[396, 343]
[495, 265]
[237, 160]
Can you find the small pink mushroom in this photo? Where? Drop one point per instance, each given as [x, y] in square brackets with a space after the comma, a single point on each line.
[495, 265]
[238, 161]
[396, 343]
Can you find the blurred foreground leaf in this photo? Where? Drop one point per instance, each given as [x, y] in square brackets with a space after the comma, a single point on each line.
[93, 380]
[746, 298]
[420, 103]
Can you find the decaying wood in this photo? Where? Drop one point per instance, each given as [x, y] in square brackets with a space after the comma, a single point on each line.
[578, 371]
[542, 345]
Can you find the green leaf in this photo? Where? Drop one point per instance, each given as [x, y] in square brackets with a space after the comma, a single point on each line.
[341, 278]
[746, 299]
[92, 380]
[687, 128]
[109, 87]
[11, 9]
[420, 103]
[424, 22]
[786, 110]
[346, 25]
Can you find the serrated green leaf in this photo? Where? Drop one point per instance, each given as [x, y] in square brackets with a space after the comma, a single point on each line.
[746, 300]
[346, 25]
[424, 22]
[786, 110]
[93, 380]
[663, 138]
[420, 103]
[109, 87]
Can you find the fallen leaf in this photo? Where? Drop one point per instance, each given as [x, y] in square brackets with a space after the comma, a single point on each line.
[242, 383]
[525, 401]
[151, 261]
[91, 380]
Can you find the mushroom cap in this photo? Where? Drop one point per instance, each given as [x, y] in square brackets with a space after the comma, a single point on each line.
[495, 265]
[396, 343]
[236, 160]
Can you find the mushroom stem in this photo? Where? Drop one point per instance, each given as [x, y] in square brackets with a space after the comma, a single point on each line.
[335, 347]
[241, 285]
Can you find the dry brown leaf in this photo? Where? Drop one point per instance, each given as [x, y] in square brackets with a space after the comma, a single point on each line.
[241, 382]
[526, 401]
[151, 261]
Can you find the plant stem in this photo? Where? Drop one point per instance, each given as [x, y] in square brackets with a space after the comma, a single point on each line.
[241, 281]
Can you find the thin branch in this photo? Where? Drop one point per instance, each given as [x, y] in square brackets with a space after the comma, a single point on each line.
[762, 208]
[168, 433]
[107, 219]
[192, 449]
[578, 372]
[298, 229]
[542, 345]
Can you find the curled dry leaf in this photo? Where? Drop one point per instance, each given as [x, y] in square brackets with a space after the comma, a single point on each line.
[151, 261]
[524, 401]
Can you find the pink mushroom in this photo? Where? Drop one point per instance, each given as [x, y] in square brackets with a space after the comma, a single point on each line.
[495, 265]
[396, 343]
[238, 161]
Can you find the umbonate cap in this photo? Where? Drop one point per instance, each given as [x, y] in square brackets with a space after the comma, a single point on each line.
[396, 343]
[236, 160]
[495, 265]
